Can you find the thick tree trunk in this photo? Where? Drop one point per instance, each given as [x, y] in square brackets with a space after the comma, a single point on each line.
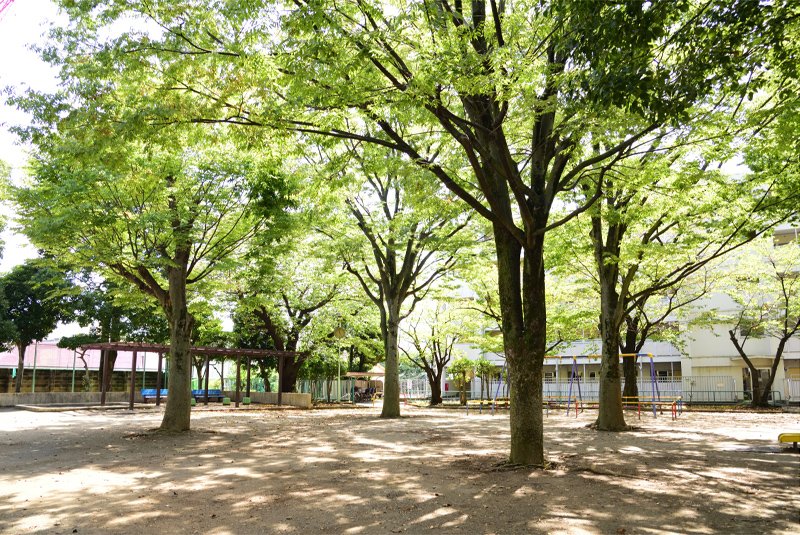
[111, 359]
[631, 389]
[178, 410]
[20, 367]
[436, 392]
[435, 381]
[391, 385]
[290, 370]
[630, 347]
[610, 415]
[755, 380]
[767, 389]
[524, 339]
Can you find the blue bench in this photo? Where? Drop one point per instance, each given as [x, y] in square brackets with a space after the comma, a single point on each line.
[150, 393]
[200, 395]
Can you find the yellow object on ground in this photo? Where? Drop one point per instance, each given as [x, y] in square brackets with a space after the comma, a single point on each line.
[789, 437]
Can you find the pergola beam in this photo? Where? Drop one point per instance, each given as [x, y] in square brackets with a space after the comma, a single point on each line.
[137, 347]
[197, 350]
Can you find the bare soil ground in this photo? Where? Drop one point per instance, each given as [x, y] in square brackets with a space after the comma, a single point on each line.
[348, 471]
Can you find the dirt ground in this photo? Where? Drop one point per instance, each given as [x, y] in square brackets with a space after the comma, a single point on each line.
[348, 471]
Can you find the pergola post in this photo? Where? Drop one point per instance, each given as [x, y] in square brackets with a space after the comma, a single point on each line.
[238, 378]
[162, 375]
[104, 362]
[280, 378]
[248, 377]
[208, 366]
[158, 378]
[133, 379]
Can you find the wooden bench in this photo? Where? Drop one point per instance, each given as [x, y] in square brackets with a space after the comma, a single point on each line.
[794, 438]
[150, 393]
[200, 395]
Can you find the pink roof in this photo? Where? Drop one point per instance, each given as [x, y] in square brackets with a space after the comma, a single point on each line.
[49, 355]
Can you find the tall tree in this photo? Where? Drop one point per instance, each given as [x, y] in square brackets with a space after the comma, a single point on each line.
[406, 240]
[658, 222]
[114, 312]
[765, 287]
[292, 295]
[159, 208]
[518, 90]
[434, 334]
[35, 296]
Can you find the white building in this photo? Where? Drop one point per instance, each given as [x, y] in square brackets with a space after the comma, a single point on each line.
[707, 368]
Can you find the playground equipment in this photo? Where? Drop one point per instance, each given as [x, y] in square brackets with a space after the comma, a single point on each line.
[493, 403]
[675, 404]
[792, 438]
[574, 397]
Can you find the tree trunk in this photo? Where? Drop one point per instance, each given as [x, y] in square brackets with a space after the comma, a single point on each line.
[200, 368]
[610, 415]
[290, 370]
[629, 347]
[524, 339]
[20, 367]
[177, 413]
[755, 381]
[111, 359]
[435, 381]
[391, 384]
[436, 392]
[631, 389]
[773, 369]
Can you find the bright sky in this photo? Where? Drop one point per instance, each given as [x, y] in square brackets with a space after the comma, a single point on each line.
[22, 23]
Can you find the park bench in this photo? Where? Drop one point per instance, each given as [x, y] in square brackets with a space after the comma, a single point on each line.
[150, 393]
[200, 395]
[794, 438]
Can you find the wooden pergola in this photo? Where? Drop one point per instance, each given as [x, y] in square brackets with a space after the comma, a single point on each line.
[208, 352]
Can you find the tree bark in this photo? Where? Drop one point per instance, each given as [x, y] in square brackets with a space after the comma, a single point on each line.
[391, 384]
[631, 389]
[436, 393]
[110, 360]
[290, 370]
[630, 347]
[177, 413]
[200, 368]
[524, 339]
[20, 367]
[773, 369]
[610, 416]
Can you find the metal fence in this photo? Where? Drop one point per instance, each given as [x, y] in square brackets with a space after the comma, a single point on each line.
[709, 389]
[793, 390]
[415, 388]
[319, 389]
[692, 389]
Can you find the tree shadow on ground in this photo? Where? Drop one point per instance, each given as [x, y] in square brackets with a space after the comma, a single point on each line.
[352, 472]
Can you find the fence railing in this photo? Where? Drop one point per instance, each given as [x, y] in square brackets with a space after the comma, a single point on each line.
[692, 389]
[319, 389]
[793, 390]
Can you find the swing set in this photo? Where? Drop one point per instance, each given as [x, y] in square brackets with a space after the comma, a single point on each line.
[675, 404]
